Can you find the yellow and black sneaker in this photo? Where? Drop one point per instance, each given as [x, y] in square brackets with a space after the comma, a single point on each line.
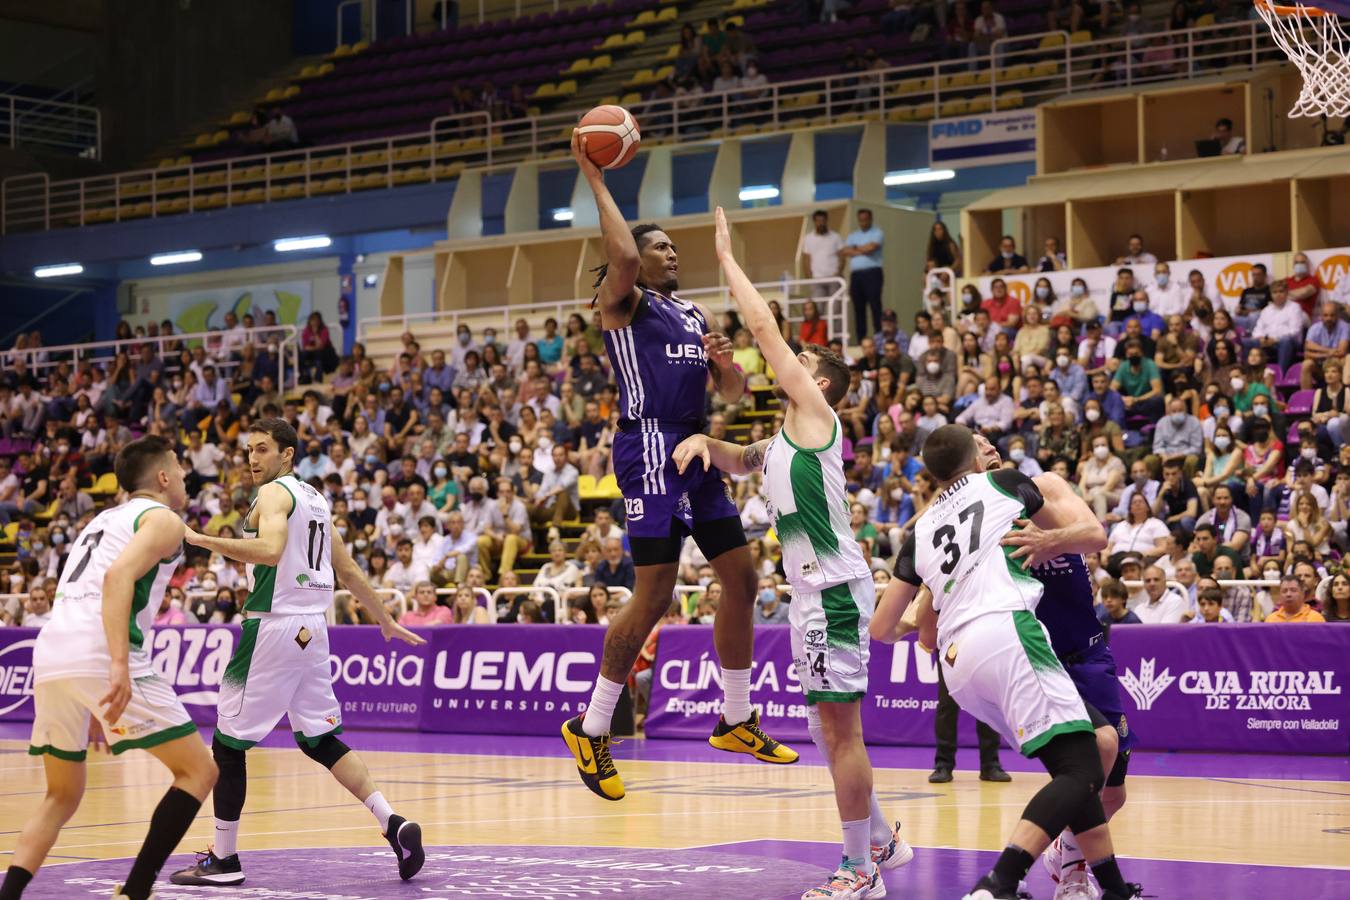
[748, 738]
[593, 760]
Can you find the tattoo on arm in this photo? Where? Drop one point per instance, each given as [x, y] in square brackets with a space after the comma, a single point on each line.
[753, 457]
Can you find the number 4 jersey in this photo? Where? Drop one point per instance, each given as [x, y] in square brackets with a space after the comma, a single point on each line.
[956, 549]
[302, 580]
[73, 643]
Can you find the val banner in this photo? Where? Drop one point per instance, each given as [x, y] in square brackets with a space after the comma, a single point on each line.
[1265, 688]
[1257, 688]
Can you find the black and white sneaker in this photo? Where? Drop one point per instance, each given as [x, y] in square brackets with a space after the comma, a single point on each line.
[406, 839]
[211, 870]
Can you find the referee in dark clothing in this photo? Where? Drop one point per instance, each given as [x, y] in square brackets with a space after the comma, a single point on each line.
[944, 729]
[862, 249]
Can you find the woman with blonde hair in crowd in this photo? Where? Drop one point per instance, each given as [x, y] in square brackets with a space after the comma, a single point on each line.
[466, 610]
[1306, 523]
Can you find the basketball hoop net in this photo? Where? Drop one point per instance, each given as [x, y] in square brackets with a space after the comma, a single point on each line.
[1316, 41]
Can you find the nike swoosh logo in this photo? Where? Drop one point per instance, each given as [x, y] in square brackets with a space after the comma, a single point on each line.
[585, 763]
[752, 743]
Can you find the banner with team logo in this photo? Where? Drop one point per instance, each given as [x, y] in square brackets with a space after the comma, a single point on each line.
[1250, 688]
[1331, 266]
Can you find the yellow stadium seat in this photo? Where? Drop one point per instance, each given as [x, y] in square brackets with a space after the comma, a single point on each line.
[1080, 37]
[664, 72]
[738, 21]
[1203, 21]
[567, 88]
[11, 532]
[980, 104]
[308, 72]
[324, 69]
[213, 200]
[220, 137]
[634, 38]
[609, 488]
[292, 90]
[50, 510]
[254, 195]
[640, 77]
[239, 118]
[900, 114]
[360, 47]
[1009, 100]
[630, 98]
[602, 62]
[586, 487]
[1015, 73]
[923, 111]
[414, 175]
[669, 14]
[202, 139]
[105, 486]
[273, 95]
[371, 158]
[959, 80]
[646, 17]
[578, 65]
[1052, 40]
[956, 107]
[614, 40]
[672, 51]
[167, 163]
[1047, 69]
[184, 160]
[449, 170]
[547, 89]
[288, 169]
[341, 50]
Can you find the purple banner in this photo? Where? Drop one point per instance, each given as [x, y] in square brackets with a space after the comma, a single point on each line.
[1244, 688]
[509, 679]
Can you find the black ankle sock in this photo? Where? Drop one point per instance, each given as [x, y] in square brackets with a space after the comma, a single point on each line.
[1109, 877]
[1012, 866]
[170, 822]
[16, 879]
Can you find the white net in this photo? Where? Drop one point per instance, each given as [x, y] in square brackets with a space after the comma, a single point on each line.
[1318, 45]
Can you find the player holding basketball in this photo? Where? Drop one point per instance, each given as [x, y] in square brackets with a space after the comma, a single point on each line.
[662, 354]
[996, 655]
[281, 662]
[833, 594]
[91, 659]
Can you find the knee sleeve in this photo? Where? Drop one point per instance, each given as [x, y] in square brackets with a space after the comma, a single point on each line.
[1075, 778]
[817, 732]
[326, 751]
[232, 783]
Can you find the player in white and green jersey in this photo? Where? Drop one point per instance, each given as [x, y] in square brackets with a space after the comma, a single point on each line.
[996, 656]
[281, 662]
[91, 659]
[832, 589]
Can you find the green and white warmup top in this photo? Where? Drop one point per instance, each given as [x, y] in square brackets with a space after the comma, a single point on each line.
[809, 505]
[956, 550]
[302, 580]
[73, 643]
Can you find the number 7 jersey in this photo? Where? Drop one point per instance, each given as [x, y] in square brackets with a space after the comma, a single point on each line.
[956, 549]
[302, 580]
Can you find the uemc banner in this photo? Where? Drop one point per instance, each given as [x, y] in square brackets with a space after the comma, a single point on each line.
[983, 140]
[1264, 688]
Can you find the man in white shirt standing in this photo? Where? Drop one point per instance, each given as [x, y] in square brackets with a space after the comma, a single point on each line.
[821, 248]
[1279, 327]
[1165, 296]
[1160, 604]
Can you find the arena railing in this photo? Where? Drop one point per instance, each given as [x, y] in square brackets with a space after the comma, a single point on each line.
[51, 125]
[46, 357]
[387, 595]
[1030, 69]
[542, 591]
[834, 308]
[562, 610]
[475, 11]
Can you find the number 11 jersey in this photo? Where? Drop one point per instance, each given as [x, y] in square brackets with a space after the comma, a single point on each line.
[956, 550]
[302, 580]
[73, 643]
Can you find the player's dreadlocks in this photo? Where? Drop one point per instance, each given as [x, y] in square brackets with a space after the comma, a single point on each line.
[638, 232]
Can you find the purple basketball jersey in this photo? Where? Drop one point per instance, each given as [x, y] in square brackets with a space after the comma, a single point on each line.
[659, 362]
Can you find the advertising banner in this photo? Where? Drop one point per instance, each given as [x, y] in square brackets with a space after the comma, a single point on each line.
[1247, 688]
[204, 310]
[1331, 267]
[508, 679]
[982, 140]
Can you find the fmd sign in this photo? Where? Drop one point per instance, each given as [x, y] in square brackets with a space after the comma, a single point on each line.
[983, 140]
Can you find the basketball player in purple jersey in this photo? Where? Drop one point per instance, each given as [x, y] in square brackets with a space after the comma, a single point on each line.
[662, 354]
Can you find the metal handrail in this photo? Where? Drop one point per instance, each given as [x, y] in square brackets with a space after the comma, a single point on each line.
[72, 353]
[57, 124]
[1025, 76]
[516, 591]
[562, 610]
[391, 593]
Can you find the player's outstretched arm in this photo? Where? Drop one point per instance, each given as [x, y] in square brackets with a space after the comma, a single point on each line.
[159, 536]
[274, 508]
[350, 576]
[801, 388]
[733, 459]
[886, 621]
[616, 296]
[1064, 524]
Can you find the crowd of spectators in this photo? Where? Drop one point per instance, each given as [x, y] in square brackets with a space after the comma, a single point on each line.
[1208, 434]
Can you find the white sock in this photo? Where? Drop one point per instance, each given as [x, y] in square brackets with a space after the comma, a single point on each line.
[380, 809]
[227, 838]
[736, 691]
[1070, 856]
[881, 827]
[601, 711]
[858, 844]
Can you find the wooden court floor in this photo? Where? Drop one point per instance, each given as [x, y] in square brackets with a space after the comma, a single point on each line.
[535, 798]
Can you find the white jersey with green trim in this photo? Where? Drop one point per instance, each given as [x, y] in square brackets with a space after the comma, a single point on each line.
[302, 580]
[956, 549]
[808, 502]
[73, 643]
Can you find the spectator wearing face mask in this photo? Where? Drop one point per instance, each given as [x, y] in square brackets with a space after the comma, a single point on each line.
[1303, 284]
[769, 606]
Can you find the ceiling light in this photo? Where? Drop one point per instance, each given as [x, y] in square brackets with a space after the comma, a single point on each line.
[178, 256]
[312, 242]
[56, 271]
[917, 176]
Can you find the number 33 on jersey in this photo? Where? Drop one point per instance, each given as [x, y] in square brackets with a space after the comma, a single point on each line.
[302, 580]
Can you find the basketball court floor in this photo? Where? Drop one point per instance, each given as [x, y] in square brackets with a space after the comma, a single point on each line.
[507, 817]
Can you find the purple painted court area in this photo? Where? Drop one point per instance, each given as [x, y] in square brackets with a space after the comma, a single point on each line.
[755, 870]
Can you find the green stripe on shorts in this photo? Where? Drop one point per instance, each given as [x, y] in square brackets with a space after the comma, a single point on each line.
[236, 673]
[49, 750]
[312, 742]
[233, 743]
[814, 697]
[1033, 640]
[841, 615]
[154, 740]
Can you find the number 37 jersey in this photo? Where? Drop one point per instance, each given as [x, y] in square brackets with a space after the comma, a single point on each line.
[956, 550]
[302, 580]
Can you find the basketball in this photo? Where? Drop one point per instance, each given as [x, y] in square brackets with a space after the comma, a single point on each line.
[611, 134]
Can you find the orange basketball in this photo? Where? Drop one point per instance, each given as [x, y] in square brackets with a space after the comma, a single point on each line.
[611, 135]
